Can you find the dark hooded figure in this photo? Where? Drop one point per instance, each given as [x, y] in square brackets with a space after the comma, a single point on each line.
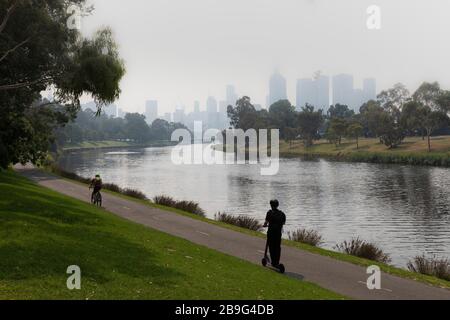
[275, 220]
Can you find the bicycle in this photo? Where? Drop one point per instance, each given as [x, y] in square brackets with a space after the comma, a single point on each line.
[97, 199]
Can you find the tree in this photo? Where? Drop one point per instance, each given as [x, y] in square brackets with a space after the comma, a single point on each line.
[309, 123]
[374, 118]
[339, 127]
[244, 115]
[433, 108]
[340, 111]
[282, 116]
[290, 135]
[136, 128]
[392, 100]
[355, 130]
[38, 51]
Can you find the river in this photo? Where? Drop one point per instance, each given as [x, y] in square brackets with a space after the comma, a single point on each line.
[404, 209]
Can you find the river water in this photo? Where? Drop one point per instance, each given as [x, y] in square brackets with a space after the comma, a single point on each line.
[404, 209]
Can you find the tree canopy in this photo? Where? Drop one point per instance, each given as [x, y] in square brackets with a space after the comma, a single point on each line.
[39, 51]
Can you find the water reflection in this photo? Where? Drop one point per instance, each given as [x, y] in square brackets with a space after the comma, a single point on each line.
[404, 209]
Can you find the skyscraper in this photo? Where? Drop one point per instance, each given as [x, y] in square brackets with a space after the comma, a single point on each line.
[231, 96]
[151, 111]
[315, 92]
[305, 93]
[277, 88]
[370, 89]
[343, 90]
[196, 107]
[211, 105]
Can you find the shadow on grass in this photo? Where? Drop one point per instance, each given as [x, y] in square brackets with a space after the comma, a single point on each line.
[41, 234]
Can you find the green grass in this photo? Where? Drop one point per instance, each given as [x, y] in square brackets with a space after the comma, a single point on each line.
[413, 151]
[43, 232]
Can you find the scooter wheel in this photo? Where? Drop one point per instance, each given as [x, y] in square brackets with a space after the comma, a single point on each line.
[281, 268]
[264, 262]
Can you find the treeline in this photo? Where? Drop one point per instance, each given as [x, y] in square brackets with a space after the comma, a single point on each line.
[88, 126]
[394, 115]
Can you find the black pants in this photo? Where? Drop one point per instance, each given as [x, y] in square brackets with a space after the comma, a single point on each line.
[94, 192]
[274, 240]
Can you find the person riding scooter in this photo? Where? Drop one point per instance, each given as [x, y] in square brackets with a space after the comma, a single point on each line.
[275, 220]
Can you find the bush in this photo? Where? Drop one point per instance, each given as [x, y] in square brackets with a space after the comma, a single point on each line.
[107, 186]
[134, 193]
[311, 237]
[187, 206]
[439, 268]
[360, 248]
[240, 221]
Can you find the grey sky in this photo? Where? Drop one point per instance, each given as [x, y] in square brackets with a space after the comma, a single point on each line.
[178, 51]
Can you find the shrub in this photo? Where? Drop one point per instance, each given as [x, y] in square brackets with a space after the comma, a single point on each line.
[360, 248]
[240, 221]
[436, 267]
[311, 237]
[134, 193]
[112, 187]
[187, 206]
[107, 186]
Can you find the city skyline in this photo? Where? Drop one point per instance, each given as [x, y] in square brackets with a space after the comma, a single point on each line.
[178, 52]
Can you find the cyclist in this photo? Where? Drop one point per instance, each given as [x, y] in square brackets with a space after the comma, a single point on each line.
[97, 185]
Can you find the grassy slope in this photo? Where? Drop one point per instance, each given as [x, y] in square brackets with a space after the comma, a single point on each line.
[43, 232]
[411, 146]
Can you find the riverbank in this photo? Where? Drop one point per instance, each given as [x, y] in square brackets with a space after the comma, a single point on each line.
[311, 249]
[43, 232]
[94, 145]
[413, 151]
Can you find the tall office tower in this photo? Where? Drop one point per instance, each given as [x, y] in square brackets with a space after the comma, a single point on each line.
[323, 92]
[306, 93]
[151, 111]
[223, 106]
[110, 110]
[196, 107]
[211, 105]
[358, 99]
[370, 89]
[213, 114]
[277, 88]
[315, 92]
[231, 95]
[343, 90]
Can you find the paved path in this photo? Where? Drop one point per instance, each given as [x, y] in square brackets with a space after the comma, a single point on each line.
[342, 277]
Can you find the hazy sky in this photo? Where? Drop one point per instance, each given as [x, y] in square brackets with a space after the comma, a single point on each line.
[178, 51]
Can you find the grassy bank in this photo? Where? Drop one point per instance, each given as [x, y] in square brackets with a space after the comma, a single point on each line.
[43, 232]
[92, 145]
[413, 151]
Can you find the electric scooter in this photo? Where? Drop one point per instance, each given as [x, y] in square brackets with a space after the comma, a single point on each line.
[267, 263]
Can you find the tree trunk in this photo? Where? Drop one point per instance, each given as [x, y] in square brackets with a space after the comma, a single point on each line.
[357, 143]
[429, 143]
